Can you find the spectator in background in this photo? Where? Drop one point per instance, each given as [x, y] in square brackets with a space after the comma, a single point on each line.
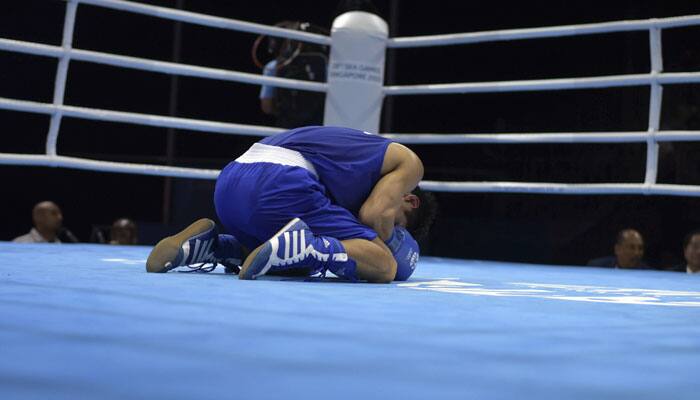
[48, 220]
[691, 252]
[124, 232]
[629, 252]
[292, 59]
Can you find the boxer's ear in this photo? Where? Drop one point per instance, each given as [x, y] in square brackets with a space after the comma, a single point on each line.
[412, 199]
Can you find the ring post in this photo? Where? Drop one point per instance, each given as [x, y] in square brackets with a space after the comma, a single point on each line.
[655, 98]
[356, 71]
[61, 76]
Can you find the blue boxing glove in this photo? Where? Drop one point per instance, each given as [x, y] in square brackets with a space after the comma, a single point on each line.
[406, 252]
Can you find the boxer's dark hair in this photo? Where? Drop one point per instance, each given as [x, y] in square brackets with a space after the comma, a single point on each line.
[421, 219]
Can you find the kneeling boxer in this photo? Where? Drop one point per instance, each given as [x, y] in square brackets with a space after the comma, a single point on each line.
[321, 198]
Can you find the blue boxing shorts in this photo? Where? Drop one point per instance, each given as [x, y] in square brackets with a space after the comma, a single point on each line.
[255, 199]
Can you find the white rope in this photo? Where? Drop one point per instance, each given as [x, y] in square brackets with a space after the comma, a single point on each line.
[140, 119]
[503, 187]
[159, 66]
[534, 33]
[655, 79]
[562, 188]
[37, 49]
[105, 166]
[535, 138]
[407, 138]
[208, 20]
[546, 84]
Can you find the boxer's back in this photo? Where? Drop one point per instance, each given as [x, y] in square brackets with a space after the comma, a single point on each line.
[348, 161]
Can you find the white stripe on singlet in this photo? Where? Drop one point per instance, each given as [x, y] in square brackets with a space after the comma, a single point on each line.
[277, 155]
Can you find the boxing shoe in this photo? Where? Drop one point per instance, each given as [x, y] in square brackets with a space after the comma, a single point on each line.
[196, 244]
[292, 247]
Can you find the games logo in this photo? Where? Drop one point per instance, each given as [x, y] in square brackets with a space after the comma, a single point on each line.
[593, 294]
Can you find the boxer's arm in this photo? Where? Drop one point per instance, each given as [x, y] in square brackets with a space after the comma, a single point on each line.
[402, 170]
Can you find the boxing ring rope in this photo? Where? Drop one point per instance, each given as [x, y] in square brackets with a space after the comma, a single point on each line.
[156, 66]
[539, 33]
[57, 110]
[547, 84]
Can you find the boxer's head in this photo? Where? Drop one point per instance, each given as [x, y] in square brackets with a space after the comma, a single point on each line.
[419, 211]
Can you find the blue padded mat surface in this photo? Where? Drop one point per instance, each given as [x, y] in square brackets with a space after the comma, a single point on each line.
[87, 321]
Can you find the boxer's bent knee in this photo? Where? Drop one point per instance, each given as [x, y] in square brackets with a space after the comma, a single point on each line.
[386, 267]
[374, 263]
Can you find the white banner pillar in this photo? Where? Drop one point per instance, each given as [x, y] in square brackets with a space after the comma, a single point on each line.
[356, 71]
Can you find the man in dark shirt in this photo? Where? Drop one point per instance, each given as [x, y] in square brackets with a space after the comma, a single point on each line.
[691, 253]
[629, 252]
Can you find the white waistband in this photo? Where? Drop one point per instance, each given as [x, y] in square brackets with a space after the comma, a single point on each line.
[277, 155]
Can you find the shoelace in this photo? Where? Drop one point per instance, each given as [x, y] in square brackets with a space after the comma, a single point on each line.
[200, 268]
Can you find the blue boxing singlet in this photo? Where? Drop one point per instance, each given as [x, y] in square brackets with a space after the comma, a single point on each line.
[348, 161]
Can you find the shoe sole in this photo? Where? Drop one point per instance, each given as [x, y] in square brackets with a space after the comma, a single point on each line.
[254, 253]
[165, 252]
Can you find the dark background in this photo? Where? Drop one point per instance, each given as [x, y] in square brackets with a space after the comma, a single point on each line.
[510, 227]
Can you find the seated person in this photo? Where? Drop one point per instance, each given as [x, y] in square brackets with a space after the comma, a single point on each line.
[48, 219]
[124, 232]
[691, 252]
[629, 252]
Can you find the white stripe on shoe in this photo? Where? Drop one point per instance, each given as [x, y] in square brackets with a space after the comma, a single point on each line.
[205, 251]
[295, 247]
[286, 245]
[185, 251]
[197, 251]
